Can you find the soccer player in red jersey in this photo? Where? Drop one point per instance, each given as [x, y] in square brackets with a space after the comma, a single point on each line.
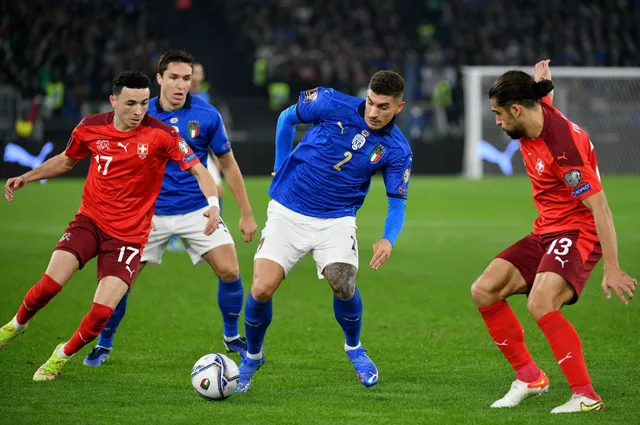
[129, 152]
[553, 263]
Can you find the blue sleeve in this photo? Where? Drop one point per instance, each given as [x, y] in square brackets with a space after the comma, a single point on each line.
[219, 140]
[285, 133]
[315, 105]
[396, 177]
[395, 219]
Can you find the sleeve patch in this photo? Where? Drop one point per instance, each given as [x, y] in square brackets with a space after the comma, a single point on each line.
[573, 178]
[184, 147]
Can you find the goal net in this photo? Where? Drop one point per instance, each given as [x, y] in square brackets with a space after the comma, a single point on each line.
[605, 102]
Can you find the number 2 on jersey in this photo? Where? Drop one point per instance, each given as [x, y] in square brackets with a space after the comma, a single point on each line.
[107, 161]
[347, 157]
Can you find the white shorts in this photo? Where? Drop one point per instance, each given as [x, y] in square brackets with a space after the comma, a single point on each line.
[289, 236]
[189, 227]
[211, 166]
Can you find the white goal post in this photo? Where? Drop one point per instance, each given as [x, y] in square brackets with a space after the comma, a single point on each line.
[604, 101]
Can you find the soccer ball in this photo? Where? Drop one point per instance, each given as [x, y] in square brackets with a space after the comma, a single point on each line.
[215, 377]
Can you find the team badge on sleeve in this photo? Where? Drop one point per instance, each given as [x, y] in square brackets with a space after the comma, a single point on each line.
[573, 178]
[184, 147]
[310, 95]
[193, 128]
[406, 175]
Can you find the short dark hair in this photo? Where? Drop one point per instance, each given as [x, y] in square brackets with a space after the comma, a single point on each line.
[519, 87]
[387, 83]
[132, 79]
[177, 56]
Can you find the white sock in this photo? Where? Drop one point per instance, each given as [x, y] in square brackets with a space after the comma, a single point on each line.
[231, 338]
[255, 356]
[347, 348]
[61, 353]
[17, 325]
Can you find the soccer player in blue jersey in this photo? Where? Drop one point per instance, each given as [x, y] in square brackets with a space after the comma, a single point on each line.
[317, 190]
[199, 89]
[180, 206]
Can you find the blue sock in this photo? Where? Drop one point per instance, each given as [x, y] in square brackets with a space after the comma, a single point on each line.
[230, 302]
[106, 336]
[257, 318]
[349, 314]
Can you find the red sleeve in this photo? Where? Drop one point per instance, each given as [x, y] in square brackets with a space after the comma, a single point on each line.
[76, 148]
[178, 150]
[579, 173]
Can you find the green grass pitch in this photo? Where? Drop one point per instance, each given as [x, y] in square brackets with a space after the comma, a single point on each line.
[437, 363]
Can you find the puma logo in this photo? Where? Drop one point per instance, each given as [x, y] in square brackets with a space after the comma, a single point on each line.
[131, 272]
[503, 343]
[561, 262]
[341, 127]
[568, 356]
[490, 153]
[563, 156]
[123, 146]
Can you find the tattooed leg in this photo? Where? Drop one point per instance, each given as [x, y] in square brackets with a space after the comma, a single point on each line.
[342, 279]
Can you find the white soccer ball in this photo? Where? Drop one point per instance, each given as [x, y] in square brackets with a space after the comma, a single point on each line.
[215, 376]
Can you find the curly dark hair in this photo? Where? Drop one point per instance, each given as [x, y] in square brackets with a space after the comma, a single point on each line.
[387, 83]
[132, 79]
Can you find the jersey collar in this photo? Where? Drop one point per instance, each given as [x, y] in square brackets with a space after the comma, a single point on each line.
[386, 129]
[187, 103]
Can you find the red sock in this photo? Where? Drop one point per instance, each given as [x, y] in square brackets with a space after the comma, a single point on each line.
[567, 349]
[91, 325]
[38, 296]
[506, 331]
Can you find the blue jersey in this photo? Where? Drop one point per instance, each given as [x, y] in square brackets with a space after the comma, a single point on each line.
[329, 173]
[201, 125]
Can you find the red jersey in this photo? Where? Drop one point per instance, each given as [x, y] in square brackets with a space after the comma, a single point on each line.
[563, 169]
[126, 171]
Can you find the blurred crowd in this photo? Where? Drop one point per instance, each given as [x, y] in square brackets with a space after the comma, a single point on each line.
[336, 43]
[66, 52]
[69, 54]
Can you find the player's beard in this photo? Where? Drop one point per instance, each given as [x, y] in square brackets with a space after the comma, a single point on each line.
[517, 132]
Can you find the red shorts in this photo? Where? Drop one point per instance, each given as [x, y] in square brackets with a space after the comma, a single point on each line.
[571, 254]
[84, 239]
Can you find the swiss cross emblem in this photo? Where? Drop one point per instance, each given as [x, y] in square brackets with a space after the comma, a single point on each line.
[540, 166]
[143, 150]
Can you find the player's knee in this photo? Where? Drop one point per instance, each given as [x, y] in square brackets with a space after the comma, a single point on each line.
[262, 291]
[539, 305]
[229, 273]
[483, 292]
[342, 279]
[263, 287]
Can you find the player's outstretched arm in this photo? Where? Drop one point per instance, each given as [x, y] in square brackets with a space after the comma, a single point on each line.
[233, 175]
[614, 277]
[208, 188]
[392, 227]
[52, 167]
[541, 71]
[285, 134]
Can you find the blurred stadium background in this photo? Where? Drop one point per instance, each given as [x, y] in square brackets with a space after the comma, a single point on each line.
[437, 363]
[257, 54]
